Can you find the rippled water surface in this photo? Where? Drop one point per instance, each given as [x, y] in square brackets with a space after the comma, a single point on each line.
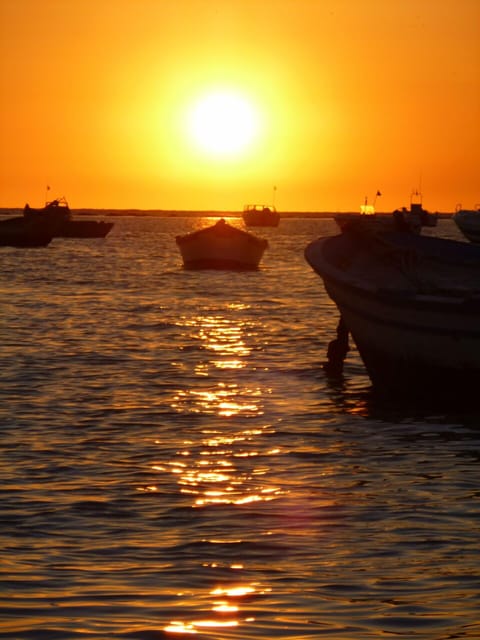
[174, 462]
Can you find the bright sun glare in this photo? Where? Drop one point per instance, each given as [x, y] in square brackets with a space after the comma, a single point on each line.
[223, 123]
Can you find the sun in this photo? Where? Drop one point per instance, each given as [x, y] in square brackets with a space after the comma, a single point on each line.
[223, 123]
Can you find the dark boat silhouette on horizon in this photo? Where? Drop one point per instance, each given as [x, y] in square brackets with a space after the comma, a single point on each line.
[58, 216]
[260, 215]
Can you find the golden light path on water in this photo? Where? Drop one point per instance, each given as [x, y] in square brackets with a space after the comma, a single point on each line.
[221, 606]
[211, 475]
[222, 337]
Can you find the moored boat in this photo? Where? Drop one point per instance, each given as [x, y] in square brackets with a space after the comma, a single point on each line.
[366, 215]
[57, 214]
[18, 232]
[411, 304]
[344, 220]
[410, 219]
[221, 246]
[260, 215]
[468, 221]
[415, 217]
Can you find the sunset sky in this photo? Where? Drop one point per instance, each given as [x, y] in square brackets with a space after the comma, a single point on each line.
[210, 104]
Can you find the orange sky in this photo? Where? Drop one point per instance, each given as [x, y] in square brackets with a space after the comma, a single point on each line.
[350, 96]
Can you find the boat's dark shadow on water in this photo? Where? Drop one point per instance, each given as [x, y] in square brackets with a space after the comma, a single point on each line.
[364, 400]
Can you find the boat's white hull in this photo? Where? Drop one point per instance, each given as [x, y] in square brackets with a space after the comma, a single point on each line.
[412, 337]
[221, 246]
[426, 344]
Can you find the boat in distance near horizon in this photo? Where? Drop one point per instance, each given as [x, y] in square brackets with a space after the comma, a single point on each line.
[19, 232]
[410, 219]
[57, 214]
[412, 306]
[221, 246]
[260, 215]
[468, 221]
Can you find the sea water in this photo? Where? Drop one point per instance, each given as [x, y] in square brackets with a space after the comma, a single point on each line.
[176, 464]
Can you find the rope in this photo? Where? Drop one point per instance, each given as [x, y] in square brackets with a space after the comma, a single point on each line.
[337, 351]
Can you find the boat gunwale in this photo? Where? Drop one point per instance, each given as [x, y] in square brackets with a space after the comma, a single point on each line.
[448, 300]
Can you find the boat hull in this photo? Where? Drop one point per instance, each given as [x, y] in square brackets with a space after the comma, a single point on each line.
[410, 221]
[375, 221]
[221, 246]
[468, 221]
[417, 350]
[83, 229]
[411, 342]
[58, 217]
[261, 220]
[18, 232]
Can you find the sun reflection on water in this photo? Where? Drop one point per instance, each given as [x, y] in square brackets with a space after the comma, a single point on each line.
[224, 336]
[224, 462]
[226, 605]
[223, 400]
[215, 471]
[223, 339]
[218, 481]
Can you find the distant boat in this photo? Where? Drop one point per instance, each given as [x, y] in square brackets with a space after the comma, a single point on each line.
[221, 246]
[57, 214]
[411, 304]
[403, 219]
[468, 221]
[366, 214]
[344, 220]
[416, 216]
[260, 215]
[19, 232]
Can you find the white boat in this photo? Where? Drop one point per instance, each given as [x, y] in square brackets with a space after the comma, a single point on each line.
[411, 304]
[468, 221]
[260, 215]
[221, 246]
